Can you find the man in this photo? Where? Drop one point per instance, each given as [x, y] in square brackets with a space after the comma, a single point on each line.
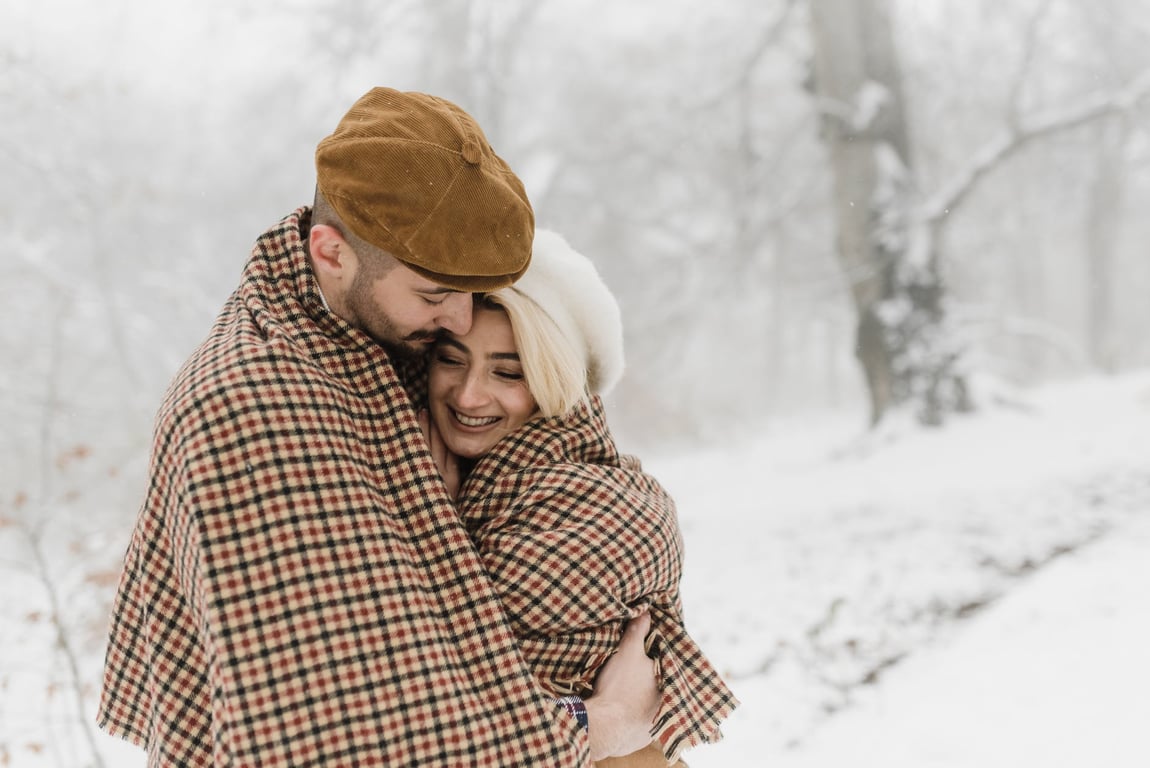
[298, 589]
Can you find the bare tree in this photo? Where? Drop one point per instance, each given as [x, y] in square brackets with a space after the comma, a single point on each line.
[1102, 228]
[891, 234]
[893, 272]
[1107, 190]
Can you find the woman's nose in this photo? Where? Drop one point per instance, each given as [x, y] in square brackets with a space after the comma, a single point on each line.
[471, 392]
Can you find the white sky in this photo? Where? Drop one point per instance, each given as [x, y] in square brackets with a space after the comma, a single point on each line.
[175, 45]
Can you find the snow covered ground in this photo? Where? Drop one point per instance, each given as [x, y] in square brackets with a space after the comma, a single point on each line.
[972, 596]
[1056, 674]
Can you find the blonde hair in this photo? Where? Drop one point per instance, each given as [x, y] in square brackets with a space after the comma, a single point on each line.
[555, 371]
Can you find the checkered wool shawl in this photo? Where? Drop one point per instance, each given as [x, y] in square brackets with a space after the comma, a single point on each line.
[577, 537]
[298, 589]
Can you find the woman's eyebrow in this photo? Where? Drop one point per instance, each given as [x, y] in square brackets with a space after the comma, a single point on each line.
[454, 343]
[505, 356]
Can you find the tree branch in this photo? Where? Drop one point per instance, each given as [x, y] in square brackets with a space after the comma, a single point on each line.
[63, 643]
[1030, 44]
[1024, 132]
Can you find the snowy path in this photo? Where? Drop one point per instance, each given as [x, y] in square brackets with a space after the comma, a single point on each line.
[1056, 673]
[972, 597]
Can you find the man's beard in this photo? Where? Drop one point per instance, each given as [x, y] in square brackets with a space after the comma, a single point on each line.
[378, 324]
[414, 347]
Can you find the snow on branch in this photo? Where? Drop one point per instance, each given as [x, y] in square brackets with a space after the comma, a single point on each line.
[1022, 133]
[859, 114]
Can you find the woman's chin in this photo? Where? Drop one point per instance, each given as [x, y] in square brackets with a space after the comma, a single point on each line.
[470, 447]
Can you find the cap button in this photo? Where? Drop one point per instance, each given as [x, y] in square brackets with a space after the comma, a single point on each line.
[471, 152]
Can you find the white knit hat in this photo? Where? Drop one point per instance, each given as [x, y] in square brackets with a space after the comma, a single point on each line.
[566, 285]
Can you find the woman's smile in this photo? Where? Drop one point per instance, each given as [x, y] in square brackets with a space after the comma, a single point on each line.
[474, 422]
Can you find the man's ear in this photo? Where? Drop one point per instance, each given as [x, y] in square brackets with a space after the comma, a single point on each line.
[330, 253]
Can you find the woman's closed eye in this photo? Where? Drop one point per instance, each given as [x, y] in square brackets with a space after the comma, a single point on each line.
[443, 357]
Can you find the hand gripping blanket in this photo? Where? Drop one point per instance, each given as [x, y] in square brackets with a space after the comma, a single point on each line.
[298, 590]
[576, 538]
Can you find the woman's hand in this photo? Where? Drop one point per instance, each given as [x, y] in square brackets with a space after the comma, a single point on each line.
[626, 698]
[447, 461]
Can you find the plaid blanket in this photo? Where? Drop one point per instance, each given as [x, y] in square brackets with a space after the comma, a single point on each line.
[298, 589]
[576, 538]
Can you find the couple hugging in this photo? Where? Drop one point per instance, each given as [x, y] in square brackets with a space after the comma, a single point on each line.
[386, 523]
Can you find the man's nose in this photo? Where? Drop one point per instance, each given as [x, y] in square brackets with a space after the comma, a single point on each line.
[456, 314]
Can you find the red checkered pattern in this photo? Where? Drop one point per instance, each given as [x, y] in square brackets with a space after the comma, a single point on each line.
[576, 538]
[298, 589]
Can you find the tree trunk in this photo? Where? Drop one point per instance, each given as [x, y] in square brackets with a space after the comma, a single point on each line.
[1104, 215]
[892, 268]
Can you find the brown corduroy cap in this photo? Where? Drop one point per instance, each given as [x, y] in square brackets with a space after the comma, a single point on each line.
[414, 175]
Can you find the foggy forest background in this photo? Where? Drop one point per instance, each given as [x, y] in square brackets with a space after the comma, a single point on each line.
[882, 208]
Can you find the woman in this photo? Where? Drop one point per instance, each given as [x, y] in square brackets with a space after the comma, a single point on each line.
[577, 538]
